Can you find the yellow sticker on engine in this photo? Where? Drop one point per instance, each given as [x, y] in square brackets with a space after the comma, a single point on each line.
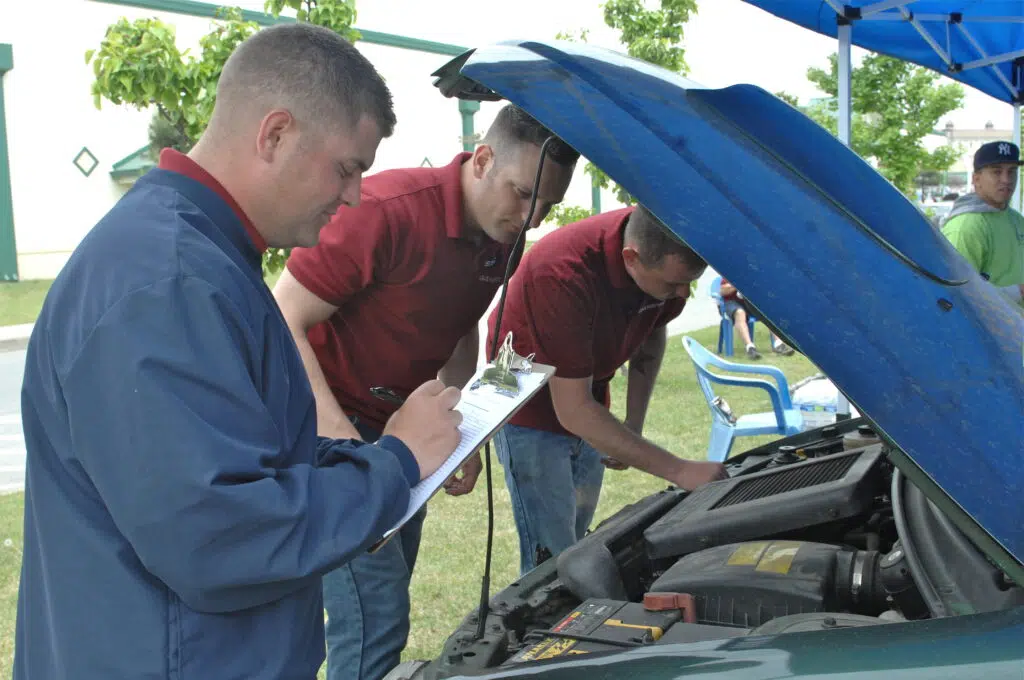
[779, 556]
[747, 554]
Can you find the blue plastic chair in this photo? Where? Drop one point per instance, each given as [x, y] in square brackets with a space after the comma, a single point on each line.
[725, 326]
[783, 419]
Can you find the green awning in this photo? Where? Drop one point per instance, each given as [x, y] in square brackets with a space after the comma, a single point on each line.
[133, 166]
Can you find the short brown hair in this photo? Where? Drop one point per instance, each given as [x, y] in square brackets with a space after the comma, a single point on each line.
[513, 126]
[310, 70]
[654, 241]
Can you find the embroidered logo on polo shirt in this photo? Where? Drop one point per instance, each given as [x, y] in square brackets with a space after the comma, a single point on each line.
[489, 260]
[651, 305]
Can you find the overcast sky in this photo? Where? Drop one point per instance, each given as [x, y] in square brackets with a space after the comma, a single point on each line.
[728, 41]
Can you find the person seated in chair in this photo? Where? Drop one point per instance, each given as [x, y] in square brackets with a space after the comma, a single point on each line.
[736, 307]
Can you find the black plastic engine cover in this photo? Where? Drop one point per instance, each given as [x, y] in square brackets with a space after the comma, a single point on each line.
[769, 503]
[748, 584]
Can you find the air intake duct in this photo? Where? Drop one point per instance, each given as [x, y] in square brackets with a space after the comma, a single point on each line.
[748, 584]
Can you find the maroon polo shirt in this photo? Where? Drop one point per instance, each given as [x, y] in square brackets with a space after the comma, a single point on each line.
[408, 282]
[573, 304]
[175, 161]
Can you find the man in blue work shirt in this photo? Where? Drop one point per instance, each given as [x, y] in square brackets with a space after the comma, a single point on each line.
[179, 507]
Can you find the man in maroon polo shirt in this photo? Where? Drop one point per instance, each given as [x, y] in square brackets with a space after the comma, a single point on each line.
[390, 298]
[586, 299]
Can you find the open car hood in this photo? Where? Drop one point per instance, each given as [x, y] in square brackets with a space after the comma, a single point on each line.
[826, 248]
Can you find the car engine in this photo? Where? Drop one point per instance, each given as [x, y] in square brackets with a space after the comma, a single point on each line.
[813, 532]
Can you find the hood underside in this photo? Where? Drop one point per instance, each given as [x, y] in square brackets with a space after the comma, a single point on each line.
[828, 250]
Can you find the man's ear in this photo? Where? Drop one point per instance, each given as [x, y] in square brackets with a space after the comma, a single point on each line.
[630, 256]
[272, 130]
[483, 159]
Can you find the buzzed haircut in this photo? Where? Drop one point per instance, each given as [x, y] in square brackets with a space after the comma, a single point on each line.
[513, 127]
[310, 70]
[654, 241]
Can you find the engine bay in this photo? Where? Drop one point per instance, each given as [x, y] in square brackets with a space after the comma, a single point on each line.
[809, 533]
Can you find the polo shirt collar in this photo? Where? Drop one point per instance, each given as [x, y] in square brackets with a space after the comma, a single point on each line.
[614, 237]
[451, 194]
[175, 161]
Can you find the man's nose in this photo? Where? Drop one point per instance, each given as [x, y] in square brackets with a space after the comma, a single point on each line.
[351, 191]
[538, 216]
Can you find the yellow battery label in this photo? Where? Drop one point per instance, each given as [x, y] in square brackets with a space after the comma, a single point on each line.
[549, 649]
[778, 557]
[747, 554]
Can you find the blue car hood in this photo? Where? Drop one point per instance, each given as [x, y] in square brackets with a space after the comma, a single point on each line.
[826, 248]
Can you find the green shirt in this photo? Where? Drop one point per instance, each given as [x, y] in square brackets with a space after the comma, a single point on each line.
[993, 242]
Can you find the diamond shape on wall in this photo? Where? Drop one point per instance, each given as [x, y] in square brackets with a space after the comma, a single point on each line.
[85, 161]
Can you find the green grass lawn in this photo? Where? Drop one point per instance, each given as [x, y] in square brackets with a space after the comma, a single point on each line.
[20, 301]
[446, 583]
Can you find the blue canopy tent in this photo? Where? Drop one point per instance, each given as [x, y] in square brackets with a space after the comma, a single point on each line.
[979, 43]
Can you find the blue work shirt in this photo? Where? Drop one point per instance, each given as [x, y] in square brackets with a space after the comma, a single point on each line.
[179, 506]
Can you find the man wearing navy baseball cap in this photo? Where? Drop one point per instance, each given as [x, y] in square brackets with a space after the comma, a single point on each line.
[984, 228]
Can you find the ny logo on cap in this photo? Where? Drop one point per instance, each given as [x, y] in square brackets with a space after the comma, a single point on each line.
[1004, 150]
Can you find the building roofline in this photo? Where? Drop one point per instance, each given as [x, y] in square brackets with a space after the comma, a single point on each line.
[206, 9]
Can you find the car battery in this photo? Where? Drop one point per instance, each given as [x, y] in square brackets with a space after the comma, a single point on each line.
[599, 626]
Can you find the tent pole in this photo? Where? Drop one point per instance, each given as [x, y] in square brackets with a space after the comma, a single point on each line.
[1016, 140]
[844, 31]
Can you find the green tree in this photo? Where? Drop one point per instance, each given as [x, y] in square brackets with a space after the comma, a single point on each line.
[138, 64]
[653, 35]
[895, 105]
[788, 98]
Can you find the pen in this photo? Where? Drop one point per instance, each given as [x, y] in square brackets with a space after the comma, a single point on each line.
[387, 394]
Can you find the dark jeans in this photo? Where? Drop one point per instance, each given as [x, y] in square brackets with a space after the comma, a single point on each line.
[367, 603]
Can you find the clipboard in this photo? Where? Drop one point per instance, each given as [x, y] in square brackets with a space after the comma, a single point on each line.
[490, 398]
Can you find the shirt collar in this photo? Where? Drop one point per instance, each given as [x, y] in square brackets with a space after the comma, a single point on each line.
[451, 194]
[614, 236]
[175, 161]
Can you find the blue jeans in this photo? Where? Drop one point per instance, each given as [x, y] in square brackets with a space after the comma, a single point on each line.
[367, 603]
[555, 482]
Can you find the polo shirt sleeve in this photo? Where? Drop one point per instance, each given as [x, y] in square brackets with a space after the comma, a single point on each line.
[561, 319]
[171, 429]
[970, 235]
[355, 249]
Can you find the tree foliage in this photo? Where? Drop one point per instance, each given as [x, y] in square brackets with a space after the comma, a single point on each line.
[653, 35]
[895, 105]
[788, 98]
[138, 64]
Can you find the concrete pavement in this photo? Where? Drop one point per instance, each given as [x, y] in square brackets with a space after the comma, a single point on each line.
[14, 337]
[12, 442]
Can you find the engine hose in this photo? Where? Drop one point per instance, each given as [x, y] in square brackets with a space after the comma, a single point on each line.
[924, 584]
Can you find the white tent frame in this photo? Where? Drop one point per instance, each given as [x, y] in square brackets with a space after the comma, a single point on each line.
[896, 10]
[880, 11]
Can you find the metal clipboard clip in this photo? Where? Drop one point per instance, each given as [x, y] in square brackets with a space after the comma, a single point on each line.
[501, 375]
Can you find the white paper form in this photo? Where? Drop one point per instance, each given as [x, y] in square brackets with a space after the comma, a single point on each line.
[484, 410]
